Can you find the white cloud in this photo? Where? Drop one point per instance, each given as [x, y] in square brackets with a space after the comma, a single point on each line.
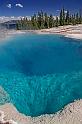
[65, 11]
[57, 10]
[9, 6]
[19, 5]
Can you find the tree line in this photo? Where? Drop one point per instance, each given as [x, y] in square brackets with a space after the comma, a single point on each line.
[42, 20]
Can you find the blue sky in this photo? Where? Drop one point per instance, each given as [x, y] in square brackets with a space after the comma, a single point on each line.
[28, 7]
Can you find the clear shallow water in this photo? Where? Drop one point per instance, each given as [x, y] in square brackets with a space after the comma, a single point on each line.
[41, 73]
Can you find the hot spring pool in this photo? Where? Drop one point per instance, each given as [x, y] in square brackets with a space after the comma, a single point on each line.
[41, 73]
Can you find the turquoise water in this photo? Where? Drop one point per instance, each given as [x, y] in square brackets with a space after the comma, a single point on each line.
[41, 73]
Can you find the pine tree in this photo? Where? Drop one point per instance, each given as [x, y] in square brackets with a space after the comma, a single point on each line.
[57, 22]
[34, 22]
[42, 20]
[80, 17]
[73, 19]
[46, 21]
[39, 20]
[67, 20]
[77, 18]
[51, 21]
[20, 24]
[61, 18]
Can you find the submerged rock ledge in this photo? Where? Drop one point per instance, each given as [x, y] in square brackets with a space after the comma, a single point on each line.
[71, 114]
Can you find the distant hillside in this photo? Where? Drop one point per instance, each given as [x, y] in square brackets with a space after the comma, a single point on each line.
[5, 18]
